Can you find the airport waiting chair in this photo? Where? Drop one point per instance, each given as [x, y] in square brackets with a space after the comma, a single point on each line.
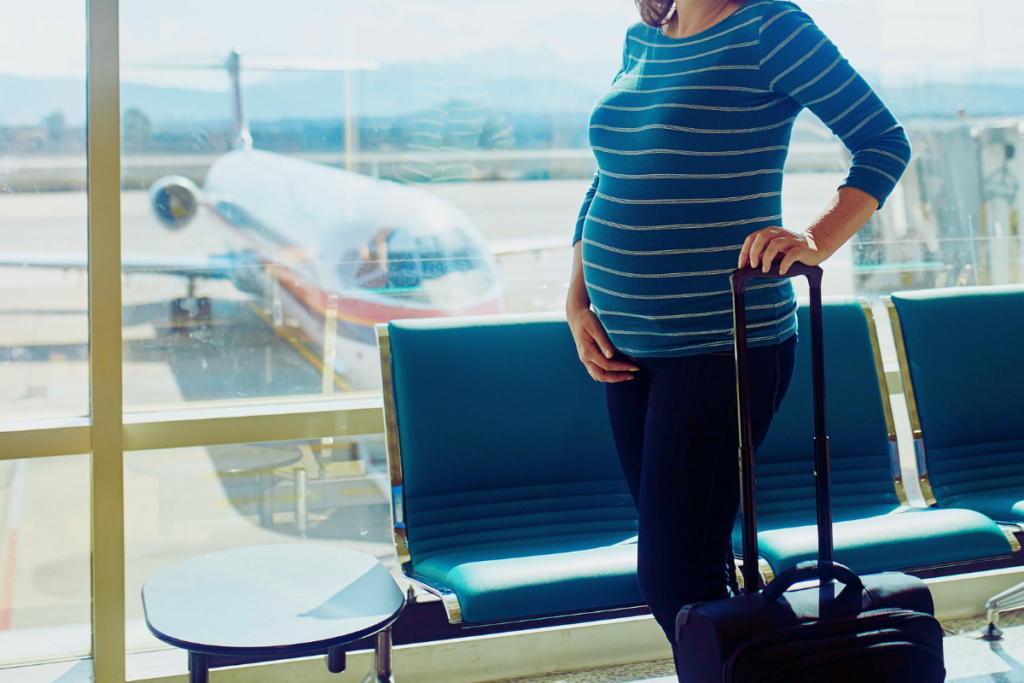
[509, 501]
[875, 529]
[961, 353]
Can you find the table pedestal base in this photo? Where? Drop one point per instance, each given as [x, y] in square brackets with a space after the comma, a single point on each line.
[200, 663]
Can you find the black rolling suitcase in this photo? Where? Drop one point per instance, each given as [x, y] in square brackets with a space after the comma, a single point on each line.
[877, 628]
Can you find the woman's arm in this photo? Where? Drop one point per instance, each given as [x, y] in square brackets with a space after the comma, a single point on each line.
[799, 61]
[592, 343]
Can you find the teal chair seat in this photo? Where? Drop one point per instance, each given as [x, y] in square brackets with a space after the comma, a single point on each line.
[874, 529]
[557, 575]
[879, 538]
[1006, 505]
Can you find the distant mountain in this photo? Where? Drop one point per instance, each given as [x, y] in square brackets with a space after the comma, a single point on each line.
[942, 100]
[535, 82]
[26, 101]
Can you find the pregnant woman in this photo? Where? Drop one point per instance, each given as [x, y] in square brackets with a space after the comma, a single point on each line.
[691, 140]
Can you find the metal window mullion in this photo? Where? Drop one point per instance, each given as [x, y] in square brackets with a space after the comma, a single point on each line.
[46, 438]
[182, 429]
[107, 482]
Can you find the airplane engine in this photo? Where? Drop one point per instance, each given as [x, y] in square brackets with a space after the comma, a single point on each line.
[175, 200]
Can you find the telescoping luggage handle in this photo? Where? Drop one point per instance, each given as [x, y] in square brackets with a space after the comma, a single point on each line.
[739, 280]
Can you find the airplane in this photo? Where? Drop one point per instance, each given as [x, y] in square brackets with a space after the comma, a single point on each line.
[324, 242]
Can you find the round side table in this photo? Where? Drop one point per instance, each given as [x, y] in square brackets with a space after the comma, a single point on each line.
[274, 602]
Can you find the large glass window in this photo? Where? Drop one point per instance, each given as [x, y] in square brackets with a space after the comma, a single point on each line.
[377, 163]
[44, 331]
[44, 559]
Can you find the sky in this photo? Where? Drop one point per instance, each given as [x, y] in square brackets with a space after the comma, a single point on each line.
[903, 41]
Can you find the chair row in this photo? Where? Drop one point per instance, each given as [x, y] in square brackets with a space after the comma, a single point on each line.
[509, 502]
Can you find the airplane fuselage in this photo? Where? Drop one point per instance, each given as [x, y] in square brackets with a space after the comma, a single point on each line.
[377, 250]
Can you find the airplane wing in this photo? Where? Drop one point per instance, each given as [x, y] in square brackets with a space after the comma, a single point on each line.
[527, 245]
[207, 266]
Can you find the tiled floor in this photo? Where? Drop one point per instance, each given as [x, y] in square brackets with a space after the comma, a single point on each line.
[968, 659]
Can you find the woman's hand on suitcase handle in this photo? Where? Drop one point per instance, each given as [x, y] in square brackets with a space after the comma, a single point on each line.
[762, 247]
[848, 211]
[596, 350]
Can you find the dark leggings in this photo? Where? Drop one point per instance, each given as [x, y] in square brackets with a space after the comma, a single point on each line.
[675, 429]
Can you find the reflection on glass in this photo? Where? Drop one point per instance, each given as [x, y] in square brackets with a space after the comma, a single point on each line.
[954, 219]
[44, 330]
[45, 608]
[184, 502]
[451, 117]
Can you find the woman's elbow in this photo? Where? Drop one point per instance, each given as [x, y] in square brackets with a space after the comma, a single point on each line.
[895, 140]
[904, 144]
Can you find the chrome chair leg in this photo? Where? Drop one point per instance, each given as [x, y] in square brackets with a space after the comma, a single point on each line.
[1011, 598]
[381, 671]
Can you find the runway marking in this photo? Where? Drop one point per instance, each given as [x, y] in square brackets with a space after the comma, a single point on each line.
[313, 360]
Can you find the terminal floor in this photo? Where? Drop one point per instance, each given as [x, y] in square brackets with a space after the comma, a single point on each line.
[968, 659]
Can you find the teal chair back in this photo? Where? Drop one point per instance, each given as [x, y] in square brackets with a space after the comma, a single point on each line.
[504, 436]
[864, 461]
[965, 348]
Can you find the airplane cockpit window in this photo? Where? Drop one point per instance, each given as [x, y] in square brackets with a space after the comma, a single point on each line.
[397, 263]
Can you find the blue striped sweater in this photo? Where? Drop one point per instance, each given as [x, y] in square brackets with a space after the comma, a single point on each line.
[690, 142]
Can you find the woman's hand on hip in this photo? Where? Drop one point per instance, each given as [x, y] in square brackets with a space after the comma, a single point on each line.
[596, 350]
[762, 247]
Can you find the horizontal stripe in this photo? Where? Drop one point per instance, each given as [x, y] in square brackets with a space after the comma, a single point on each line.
[904, 141]
[688, 200]
[688, 333]
[888, 154]
[663, 252]
[878, 170]
[690, 176]
[851, 107]
[727, 330]
[658, 276]
[695, 333]
[687, 129]
[797, 63]
[793, 93]
[685, 295]
[686, 226]
[832, 94]
[685, 152]
[687, 105]
[640, 60]
[703, 314]
[863, 123]
[722, 88]
[680, 316]
[784, 43]
[710, 345]
[721, 67]
[693, 42]
[766, 24]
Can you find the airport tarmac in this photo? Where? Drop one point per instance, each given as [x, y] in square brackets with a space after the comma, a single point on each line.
[184, 502]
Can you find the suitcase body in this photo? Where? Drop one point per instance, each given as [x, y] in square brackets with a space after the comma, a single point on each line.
[833, 625]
